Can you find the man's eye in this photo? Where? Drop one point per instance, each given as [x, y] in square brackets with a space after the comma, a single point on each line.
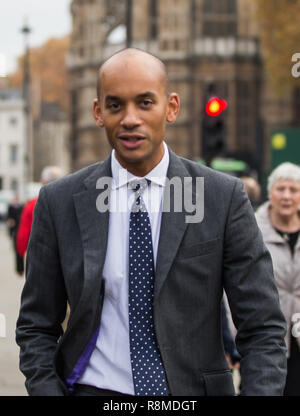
[114, 106]
[147, 103]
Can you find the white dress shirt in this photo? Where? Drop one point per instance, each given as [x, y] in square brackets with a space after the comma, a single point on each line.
[109, 366]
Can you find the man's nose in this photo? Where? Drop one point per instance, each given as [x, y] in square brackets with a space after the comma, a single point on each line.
[131, 118]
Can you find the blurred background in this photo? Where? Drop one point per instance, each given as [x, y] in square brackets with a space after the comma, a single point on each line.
[234, 63]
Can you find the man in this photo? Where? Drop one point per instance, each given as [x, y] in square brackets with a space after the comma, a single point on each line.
[145, 285]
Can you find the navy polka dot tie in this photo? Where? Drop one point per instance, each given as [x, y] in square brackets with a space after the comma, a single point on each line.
[147, 369]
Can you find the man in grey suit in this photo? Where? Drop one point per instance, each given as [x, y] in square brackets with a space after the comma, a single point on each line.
[144, 281]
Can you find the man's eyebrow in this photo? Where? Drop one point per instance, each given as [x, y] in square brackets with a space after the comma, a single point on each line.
[112, 98]
[139, 96]
[147, 94]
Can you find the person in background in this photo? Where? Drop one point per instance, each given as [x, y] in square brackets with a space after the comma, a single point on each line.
[252, 189]
[279, 221]
[13, 219]
[49, 174]
[232, 355]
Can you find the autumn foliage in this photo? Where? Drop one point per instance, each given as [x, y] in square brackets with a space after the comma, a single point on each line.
[48, 72]
[280, 36]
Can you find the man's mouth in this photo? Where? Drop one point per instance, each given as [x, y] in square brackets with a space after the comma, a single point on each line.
[131, 141]
[131, 137]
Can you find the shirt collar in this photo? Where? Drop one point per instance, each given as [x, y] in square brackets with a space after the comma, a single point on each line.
[157, 175]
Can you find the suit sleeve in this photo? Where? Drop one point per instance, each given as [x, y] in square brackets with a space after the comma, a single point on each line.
[253, 298]
[43, 306]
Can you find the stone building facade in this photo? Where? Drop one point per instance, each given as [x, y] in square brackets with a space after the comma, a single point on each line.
[12, 143]
[51, 139]
[201, 42]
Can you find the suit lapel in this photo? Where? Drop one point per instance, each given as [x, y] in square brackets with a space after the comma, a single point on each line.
[173, 226]
[93, 228]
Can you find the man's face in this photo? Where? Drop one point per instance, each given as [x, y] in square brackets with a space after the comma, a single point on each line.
[285, 197]
[134, 109]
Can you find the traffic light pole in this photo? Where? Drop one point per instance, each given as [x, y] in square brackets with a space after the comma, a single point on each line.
[213, 129]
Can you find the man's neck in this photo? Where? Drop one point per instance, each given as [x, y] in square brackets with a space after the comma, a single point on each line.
[142, 168]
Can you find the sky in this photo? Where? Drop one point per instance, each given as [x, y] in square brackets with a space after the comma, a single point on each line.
[47, 19]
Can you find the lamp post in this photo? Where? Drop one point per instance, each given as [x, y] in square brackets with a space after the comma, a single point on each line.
[128, 23]
[26, 30]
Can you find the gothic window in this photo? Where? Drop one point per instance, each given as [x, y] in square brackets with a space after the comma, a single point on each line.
[208, 6]
[219, 6]
[115, 21]
[13, 152]
[231, 6]
[117, 35]
[153, 12]
[244, 116]
[115, 12]
[13, 121]
[14, 185]
[219, 18]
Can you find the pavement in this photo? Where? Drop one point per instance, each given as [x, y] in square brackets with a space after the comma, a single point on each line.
[11, 285]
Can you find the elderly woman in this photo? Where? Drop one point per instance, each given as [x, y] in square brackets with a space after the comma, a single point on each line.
[279, 221]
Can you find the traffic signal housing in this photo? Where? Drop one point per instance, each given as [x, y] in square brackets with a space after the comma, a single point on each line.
[213, 128]
[215, 106]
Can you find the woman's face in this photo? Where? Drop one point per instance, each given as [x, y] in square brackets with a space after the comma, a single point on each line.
[285, 197]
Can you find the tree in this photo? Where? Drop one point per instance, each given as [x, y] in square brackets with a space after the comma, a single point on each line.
[48, 71]
[280, 34]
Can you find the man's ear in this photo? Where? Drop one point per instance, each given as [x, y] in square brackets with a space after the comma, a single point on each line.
[98, 113]
[173, 107]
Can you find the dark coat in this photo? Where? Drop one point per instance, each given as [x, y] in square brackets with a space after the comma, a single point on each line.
[195, 262]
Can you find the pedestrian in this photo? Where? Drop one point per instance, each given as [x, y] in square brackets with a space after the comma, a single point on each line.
[279, 221]
[13, 219]
[232, 355]
[252, 189]
[145, 284]
[49, 174]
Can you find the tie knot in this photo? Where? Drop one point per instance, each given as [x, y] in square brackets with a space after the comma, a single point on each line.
[138, 185]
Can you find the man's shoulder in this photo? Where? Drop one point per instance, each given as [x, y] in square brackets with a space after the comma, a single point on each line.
[73, 182]
[196, 169]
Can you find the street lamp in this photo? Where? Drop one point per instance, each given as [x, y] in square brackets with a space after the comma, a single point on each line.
[26, 30]
[128, 23]
[26, 81]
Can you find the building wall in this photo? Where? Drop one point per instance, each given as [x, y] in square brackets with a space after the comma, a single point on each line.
[200, 41]
[12, 138]
[51, 140]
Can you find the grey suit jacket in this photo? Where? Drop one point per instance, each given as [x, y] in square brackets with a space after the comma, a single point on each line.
[195, 262]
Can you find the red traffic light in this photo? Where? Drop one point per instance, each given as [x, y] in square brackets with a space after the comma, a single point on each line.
[215, 106]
